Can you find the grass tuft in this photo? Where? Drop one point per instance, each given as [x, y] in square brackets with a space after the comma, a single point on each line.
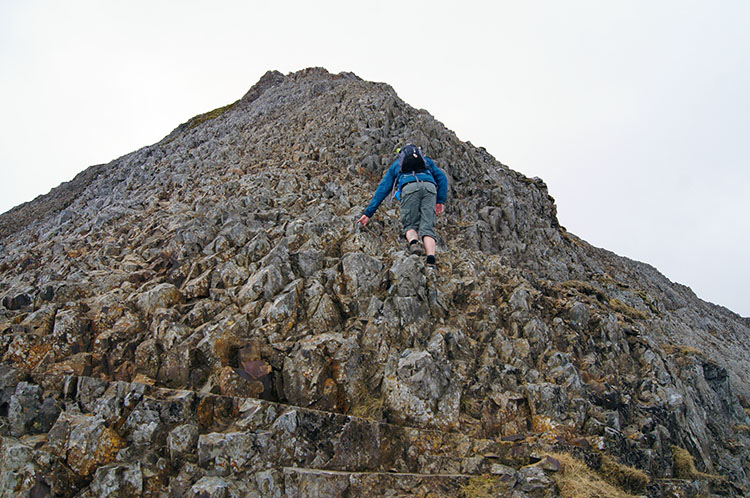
[578, 480]
[627, 310]
[585, 288]
[369, 407]
[623, 476]
[202, 118]
[483, 487]
[683, 350]
[684, 466]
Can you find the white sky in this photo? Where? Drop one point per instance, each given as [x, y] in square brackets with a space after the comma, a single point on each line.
[635, 113]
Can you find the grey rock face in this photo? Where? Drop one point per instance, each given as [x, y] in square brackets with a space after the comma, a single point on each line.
[28, 413]
[162, 296]
[422, 391]
[146, 304]
[360, 273]
[182, 441]
[117, 480]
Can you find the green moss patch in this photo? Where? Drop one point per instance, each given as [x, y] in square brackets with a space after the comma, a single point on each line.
[202, 118]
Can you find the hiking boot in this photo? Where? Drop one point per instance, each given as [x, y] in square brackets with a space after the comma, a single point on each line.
[415, 248]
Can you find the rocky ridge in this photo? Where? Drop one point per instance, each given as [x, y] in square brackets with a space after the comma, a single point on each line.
[202, 317]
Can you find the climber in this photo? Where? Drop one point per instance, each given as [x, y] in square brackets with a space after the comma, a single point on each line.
[422, 189]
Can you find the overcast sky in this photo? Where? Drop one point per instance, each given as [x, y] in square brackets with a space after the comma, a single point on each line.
[635, 113]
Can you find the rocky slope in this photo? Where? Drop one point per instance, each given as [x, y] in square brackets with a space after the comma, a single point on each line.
[202, 317]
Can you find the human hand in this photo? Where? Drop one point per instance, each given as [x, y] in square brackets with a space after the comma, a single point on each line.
[439, 208]
[364, 220]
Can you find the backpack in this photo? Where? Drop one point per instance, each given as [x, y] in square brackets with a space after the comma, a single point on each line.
[411, 159]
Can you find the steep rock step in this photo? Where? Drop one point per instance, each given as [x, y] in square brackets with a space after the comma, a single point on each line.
[236, 434]
[314, 483]
[296, 482]
[698, 486]
[185, 437]
[529, 482]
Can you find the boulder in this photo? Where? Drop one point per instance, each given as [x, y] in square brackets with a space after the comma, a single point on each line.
[85, 442]
[27, 413]
[361, 273]
[71, 333]
[161, 296]
[420, 389]
[117, 481]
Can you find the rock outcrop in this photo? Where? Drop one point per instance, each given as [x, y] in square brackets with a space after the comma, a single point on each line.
[202, 317]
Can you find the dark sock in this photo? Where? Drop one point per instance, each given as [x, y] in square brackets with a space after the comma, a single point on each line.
[431, 260]
[413, 242]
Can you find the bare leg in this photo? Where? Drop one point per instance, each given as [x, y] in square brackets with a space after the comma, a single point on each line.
[429, 245]
[411, 235]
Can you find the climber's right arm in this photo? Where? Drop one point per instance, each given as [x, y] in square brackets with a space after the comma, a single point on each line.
[385, 187]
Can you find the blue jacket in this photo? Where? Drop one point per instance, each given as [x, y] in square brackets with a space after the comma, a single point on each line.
[432, 174]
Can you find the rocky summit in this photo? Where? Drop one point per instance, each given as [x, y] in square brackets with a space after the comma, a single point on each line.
[203, 317]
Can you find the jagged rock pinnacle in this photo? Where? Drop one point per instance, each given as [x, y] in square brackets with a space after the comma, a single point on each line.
[203, 317]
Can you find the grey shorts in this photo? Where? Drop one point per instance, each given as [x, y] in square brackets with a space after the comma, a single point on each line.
[418, 208]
